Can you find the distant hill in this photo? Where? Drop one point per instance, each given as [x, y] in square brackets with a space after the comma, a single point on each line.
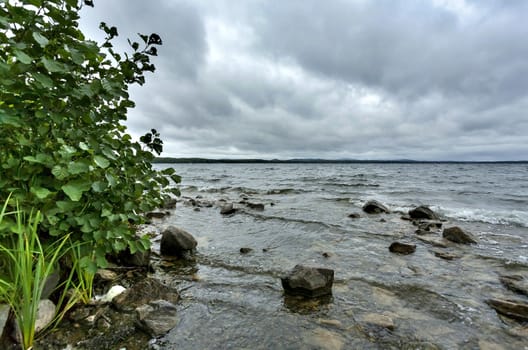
[170, 160]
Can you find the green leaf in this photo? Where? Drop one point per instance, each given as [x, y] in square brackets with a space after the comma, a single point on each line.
[78, 167]
[99, 186]
[59, 172]
[66, 206]
[44, 80]
[40, 39]
[175, 178]
[74, 189]
[52, 66]
[22, 57]
[101, 162]
[40, 192]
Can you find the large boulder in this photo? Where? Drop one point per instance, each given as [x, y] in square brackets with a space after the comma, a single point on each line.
[308, 281]
[457, 235]
[157, 317]
[176, 242]
[423, 212]
[375, 207]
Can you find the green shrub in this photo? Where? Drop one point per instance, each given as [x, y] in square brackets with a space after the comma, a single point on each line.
[64, 148]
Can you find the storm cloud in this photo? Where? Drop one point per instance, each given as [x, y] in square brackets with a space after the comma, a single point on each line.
[380, 79]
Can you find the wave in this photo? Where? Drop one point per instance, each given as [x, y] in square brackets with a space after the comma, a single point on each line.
[503, 217]
[341, 184]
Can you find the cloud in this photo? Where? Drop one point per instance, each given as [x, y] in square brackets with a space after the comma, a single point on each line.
[439, 79]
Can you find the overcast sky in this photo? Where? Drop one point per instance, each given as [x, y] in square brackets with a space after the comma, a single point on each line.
[380, 79]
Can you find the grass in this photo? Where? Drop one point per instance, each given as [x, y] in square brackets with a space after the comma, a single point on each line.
[27, 264]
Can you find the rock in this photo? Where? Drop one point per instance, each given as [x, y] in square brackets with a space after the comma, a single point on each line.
[378, 320]
[515, 283]
[157, 317]
[354, 216]
[139, 258]
[227, 209]
[245, 250]
[106, 275]
[308, 281]
[423, 212]
[45, 314]
[255, 206]
[402, 248]
[457, 235]
[383, 220]
[515, 309]
[421, 232]
[328, 255]
[170, 203]
[4, 315]
[52, 281]
[436, 242]
[156, 215]
[112, 293]
[375, 207]
[321, 338]
[429, 225]
[143, 293]
[176, 242]
[446, 255]
[406, 217]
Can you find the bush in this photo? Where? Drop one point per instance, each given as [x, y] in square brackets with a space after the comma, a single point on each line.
[64, 148]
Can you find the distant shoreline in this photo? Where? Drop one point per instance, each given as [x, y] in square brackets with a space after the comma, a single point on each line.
[170, 160]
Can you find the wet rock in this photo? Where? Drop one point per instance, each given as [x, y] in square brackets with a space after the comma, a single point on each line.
[308, 281]
[227, 209]
[354, 216]
[383, 220]
[328, 254]
[515, 309]
[112, 293]
[446, 255]
[375, 207]
[170, 203]
[45, 314]
[139, 258]
[52, 281]
[423, 212]
[321, 338]
[515, 283]
[156, 215]
[255, 206]
[429, 225]
[106, 275]
[406, 217]
[434, 241]
[245, 250]
[402, 248]
[143, 293]
[379, 320]
[157, 317]
[333, 323]
[421, 232]
[457, 235]
[177, 242]
[196, 209]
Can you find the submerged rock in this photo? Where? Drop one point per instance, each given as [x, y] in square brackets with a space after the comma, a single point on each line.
[143, 293]
[176, 242]
[457, 235]
[375, 207]
[156, 214]
[354, 216]
[227, 209]
[423, 212]
[170, 203]
[515, 309]
[515, 283]
[245, 250]
[446, 255]
[308, 281]
[255, 206]
[157, 317]
[379, 320]
[402, 248]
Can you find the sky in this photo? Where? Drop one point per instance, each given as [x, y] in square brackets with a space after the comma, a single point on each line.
[333, 79]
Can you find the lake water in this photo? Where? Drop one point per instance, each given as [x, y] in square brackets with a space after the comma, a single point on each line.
[235, 301]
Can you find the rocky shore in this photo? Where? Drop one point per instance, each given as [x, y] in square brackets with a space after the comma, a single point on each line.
[134, 308]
